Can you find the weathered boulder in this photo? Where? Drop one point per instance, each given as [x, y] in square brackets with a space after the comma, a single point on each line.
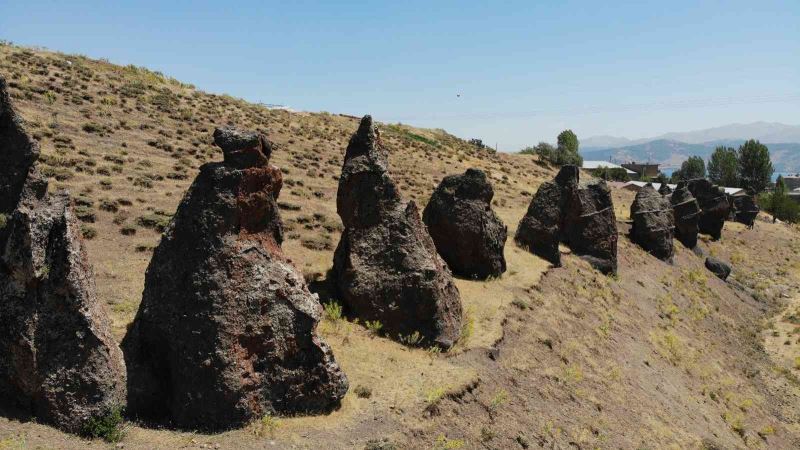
[581, 215]
[745, 210]
[718, 267]
[713, 204]
[664, 189]
[686, 213]
[18, 152]
[385, 267]
[59, 361]
[539, 230]
[653, 223]
[226, 331]
[467, 233]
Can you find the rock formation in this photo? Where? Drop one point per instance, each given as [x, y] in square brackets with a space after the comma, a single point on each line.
[664, 189]
[718, 267]
[59, 361]
[686, 213]
[18, 152]
[653, 223]
[226, 331]
[745, 209]
[467, 233]
[581, 215]
[713, 204]
[386, 267]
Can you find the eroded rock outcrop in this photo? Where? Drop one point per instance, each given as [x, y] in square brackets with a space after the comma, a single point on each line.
[745, 209]
[664, 189]
[18, 152]
[58, 360]
[467, 233]
[581, 215]
[653, 223]
[386, 267]
[226, 331]
[713, 204]
[686, 213]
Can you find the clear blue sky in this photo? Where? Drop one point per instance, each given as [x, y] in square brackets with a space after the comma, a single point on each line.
[525, 69]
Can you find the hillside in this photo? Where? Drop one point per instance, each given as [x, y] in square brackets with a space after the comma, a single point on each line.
[658, 356]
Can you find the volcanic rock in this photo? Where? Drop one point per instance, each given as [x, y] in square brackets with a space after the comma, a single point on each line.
[59, 361]
[653, 223]
[226, 331]
[686, 213]
[467, 233]
[713, 204]
[581, 215]
[386, 267]
[745, 209]
[18, 152]
[664, 189]
[718, 267]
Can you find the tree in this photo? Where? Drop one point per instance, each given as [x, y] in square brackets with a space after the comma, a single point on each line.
[755, 167]
[661, 179]
[567, 149]
[780, 186]
[568, 141]
[723, 167]
[612, 174]
[692, 168]
[543, 150]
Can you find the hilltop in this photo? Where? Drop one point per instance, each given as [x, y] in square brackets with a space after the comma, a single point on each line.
[659, 355]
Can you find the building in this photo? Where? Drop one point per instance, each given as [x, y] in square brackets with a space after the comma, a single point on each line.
[594, 165]
[636, 185]
[645, 170]
[791, 182]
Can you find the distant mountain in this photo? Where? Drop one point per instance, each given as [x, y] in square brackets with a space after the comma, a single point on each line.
[598, 142]
[671, 153]
[766, 132]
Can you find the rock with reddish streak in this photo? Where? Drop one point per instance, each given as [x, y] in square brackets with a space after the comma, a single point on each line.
[226, 331]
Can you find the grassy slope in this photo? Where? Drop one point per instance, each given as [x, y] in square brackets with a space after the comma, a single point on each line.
[582, 358]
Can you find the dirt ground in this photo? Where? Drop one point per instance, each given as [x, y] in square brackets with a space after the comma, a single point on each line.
[659, 356]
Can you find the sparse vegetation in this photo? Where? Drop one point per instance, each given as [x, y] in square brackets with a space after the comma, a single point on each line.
[108, 427]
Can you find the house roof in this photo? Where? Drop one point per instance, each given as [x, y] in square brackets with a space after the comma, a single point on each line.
[591, 165]
[640, 184]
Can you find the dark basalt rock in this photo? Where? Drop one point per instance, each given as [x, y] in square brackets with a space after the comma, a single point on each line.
[686, 213]
[385, 267]
[713, 204]
[581, 215]
[718, 267]
[18, 152]
[664, 189]
[59, 361]
[226, 331]
[745, 209]
[653, 223]
[467, 233]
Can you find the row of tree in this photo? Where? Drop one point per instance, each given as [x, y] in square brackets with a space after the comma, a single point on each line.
[565, 152]
[749, 167]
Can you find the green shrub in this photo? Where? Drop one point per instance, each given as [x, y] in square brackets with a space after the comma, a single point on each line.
[108, 426]
[88, 232]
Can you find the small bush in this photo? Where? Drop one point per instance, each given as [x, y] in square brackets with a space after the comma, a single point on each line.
[363, 391]
[88, 232]
[374, 326]
[128, 230]
[333, 311]
[108, 426]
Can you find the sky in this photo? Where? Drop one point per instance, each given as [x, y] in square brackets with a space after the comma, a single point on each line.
[512, 73]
